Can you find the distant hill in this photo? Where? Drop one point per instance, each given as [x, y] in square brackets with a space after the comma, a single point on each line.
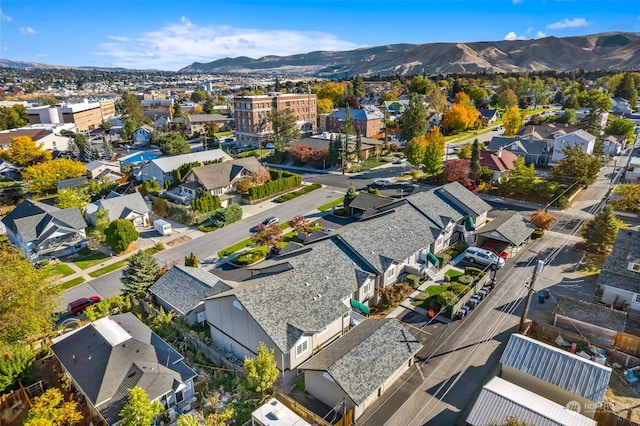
[8, 63]
[610, 51]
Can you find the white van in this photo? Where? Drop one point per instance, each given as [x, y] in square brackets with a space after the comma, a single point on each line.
[483, 257]
[162, 226]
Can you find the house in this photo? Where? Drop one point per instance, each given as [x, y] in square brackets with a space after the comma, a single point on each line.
[619, 278]
[143, 134]
[488, 116]
[46, 138]
[506, 229]
[162, 123]
[96, 168]
[614, 144]
[71, 183]
[461, 198]
[534, 151]
[500, 400]
[620, 106]
[216, 178]
[578, 138]
[597, 323]
[42, 231]
[554, 373]
[369, 121]
[499, 162]
[9, 170]
[131, 207]
[395, 109]
[359, 367]
[296, 305]
[197, 123]
[435, 119]
[84, 114]
[369, 146]
[182, 290]
[632, 173]
[107, 357]
[603, 116]
[367, 204]
[161, 169]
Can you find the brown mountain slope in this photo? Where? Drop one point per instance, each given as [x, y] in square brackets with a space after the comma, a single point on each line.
[607, 50]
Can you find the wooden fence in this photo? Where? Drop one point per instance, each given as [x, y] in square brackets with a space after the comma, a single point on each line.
[607, 418]
[466, 297]
[313, 418]
[627, 343]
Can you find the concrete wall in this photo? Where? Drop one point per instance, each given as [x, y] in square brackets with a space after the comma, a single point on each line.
[609, 295]
[595, 334]
[324, 389]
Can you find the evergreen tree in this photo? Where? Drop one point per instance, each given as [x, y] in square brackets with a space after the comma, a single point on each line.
[475, 166]
[358, 86]
[191, 260]
[600, 232]
[415, 118]
[277, 86]
[349, 196]
[333, 157]
[627, 90]
[577, 166]
[73, 149]
[348, 122]
[88, 153]
[120, 234]
[358, 145]
[139, 274]
[208, 107]
[107, 149]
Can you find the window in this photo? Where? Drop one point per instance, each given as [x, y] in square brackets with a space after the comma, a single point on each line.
[302, 347]
[637, 298]
[322, 331]
[634, 267]
[366, 289]
[237, 305]
[391, 272]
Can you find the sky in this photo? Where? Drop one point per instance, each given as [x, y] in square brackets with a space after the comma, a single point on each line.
[169, 35]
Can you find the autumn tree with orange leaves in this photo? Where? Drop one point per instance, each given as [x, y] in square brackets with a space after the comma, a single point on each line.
[461, 116]
[542, 219]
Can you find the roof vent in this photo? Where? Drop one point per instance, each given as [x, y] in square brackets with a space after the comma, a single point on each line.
[319, 296]
[326, 277]
[307, 284]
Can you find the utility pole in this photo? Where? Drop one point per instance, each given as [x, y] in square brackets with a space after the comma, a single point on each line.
[539, 264]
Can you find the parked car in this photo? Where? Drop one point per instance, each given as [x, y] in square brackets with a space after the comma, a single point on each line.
[483, 257]
[381, 182]
[491, 247]
[79, 305]
[399, 161]
[270, 221]
[270, 146]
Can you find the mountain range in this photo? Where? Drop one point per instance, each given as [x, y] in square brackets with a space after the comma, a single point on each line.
[608, 51]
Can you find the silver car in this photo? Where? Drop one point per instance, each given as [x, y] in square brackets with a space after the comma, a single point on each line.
[483, 257]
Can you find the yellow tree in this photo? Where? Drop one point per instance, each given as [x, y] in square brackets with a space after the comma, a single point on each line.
[44, 177]
[324, 105]
[331, 90]
[511, 120]
[434, 152]
[459, 117]
[24, 152]
[261, 372]
[51, 409]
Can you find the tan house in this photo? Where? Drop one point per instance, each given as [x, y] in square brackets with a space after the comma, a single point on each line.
[251, 114]
[197, 123]
[620, 275]
[85, 115]
[360, 366]
[554, 373]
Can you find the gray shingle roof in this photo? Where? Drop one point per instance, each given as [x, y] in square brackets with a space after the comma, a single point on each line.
[71, 183]
[30, 219]
[391, 237]
[510, 225]
[615, 272]
[113, 354]
[557, 367]
[367, 201]
[464, 196]
[286, 305]
[435, 208]
[365, 357]
[500, 399]
[219, 175]
[168, 164]
[184, 287]
[119, 206]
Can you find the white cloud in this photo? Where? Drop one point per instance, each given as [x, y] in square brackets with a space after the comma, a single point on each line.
[568, 23]
[28, 31]
[540, 34]
[177, 45]
[513, 36]
[4, 17]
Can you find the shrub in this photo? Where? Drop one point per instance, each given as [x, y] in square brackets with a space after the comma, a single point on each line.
[466, 279]
[374, 191]
[160, 206]
[294, 194]
[205, 202]
[538, 233]
[444, 258]
[120, 234]
[394, 294]
[452, 275]
[150, 187]
[422, 296]
[413, 280]
[447, 298]
[472, 270]
[459, 288]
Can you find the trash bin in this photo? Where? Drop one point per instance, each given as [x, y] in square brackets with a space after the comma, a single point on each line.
[541, 298]
[546, 294]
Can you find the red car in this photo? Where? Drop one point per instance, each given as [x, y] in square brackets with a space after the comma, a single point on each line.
[494, 249]
[81, 304]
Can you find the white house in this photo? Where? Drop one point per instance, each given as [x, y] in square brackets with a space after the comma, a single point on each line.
[586, 141]
[143, 134]
[160, 169]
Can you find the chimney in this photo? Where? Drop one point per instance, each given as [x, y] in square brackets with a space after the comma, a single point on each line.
[499, 154]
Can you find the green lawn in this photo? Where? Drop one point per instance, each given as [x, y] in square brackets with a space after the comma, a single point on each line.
[90, 260]
[71, 283]
[427, 298]
[591, 264]
[330, 204]
[223, 134]
[108, 268]
[234, 248]
[251, 256]
[59, 269]
[371, 163]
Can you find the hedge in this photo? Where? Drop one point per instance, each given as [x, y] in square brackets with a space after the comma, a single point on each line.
[471, 270]
[291, 195]
[444, 259]
[413, 280]
[280, 181]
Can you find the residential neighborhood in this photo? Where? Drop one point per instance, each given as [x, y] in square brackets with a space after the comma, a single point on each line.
[444, 249]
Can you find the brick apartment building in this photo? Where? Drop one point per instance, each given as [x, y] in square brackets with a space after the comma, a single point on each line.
[368, 120]
[251, 115]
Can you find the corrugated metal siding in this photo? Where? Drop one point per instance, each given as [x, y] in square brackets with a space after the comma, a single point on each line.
[557, 367]
[500, 399]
